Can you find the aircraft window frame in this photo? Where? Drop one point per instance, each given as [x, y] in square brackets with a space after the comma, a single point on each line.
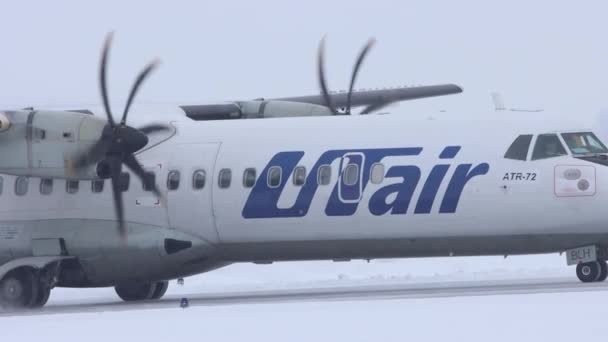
[124, 181]
[520, 147]
[377, 173]
[321, 174]
[97, 185]
[46, 186]
[299, 176]
[249, 177]
[224, 179]
[274, 177]
[586, 138]
[537, 154]
[173, 180]
[350, 175]
[199, 179]
[22, 184]
[149, 181]
[72, 186]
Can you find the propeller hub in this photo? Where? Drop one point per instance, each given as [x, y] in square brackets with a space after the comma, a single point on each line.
[126, 139]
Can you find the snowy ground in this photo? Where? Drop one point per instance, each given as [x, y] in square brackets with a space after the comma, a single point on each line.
[496, 316]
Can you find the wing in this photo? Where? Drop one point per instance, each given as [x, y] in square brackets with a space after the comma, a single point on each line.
[314, 104]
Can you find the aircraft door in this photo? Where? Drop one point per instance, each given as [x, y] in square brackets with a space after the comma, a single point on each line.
[350, 183]
[190, 179]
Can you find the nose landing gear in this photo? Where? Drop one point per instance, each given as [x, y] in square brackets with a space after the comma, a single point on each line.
[593, 271]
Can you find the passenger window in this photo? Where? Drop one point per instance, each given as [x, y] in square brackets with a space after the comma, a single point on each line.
[324, 175]
[46, 186]
[548, 146]
[198, 179]
[351, 174]
[377, 173]
[225, 178]
[173, 180]
[97, 185]
[519, 148]
[274, 176]
[124, 181]
[71, 186]
[299, 176]
[21, 185]
[249, 177]
[1, 184]
[149, 181]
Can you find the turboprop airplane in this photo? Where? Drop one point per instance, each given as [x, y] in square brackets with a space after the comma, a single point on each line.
[299, 178]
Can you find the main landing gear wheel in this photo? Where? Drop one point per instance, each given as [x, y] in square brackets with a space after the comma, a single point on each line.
[19, 289]
[603, 270]
[44, 292]
[141, 291]
[592, 271]
[161, 289]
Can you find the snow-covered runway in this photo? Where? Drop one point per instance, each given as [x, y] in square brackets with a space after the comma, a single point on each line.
[340, 293]
[528, 298]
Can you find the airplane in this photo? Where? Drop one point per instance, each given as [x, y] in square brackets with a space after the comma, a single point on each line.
[267, 180]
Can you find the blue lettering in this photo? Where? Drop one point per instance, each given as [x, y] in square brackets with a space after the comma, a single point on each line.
[378, 204]
[460, 178]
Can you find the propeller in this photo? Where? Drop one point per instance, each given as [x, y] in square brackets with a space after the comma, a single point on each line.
[323, 83]
[119, 141]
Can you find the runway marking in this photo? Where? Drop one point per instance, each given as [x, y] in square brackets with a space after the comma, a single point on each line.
[353, 292]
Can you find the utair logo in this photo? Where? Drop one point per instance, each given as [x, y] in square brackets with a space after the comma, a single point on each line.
[344, 199]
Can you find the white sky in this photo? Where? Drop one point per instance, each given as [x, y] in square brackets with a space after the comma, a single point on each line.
[549, 54]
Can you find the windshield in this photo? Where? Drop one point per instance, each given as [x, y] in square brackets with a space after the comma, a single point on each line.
[584, 143]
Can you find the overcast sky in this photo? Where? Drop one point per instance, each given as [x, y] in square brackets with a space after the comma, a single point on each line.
[548, 54]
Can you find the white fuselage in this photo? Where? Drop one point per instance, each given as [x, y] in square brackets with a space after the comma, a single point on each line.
[441, 187]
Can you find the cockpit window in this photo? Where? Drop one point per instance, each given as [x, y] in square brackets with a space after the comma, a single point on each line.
[519, 148]
[584, 143]
[548, 146]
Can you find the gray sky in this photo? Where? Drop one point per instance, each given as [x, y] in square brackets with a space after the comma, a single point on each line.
[549, 54]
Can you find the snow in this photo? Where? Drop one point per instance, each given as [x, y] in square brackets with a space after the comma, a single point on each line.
[497, 317]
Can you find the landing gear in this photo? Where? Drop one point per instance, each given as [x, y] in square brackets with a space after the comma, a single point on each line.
[161, 289]
[141, 291]
[22, 288]
[603, 270]
[592, 271]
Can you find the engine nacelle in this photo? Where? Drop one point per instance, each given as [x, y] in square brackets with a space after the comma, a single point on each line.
[46, 143]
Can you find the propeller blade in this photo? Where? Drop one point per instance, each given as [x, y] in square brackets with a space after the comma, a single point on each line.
[116, 169]
[93, 155]
[132, 163]
[102, 78]
[153, 128]
[321, 76]
[138, 81]
[356, 69]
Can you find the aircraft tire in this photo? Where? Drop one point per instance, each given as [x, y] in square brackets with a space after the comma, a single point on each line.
[161, 289]
[588, 272]
[603, 270]
[135, 291]
[19, 289]
[44, 292]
